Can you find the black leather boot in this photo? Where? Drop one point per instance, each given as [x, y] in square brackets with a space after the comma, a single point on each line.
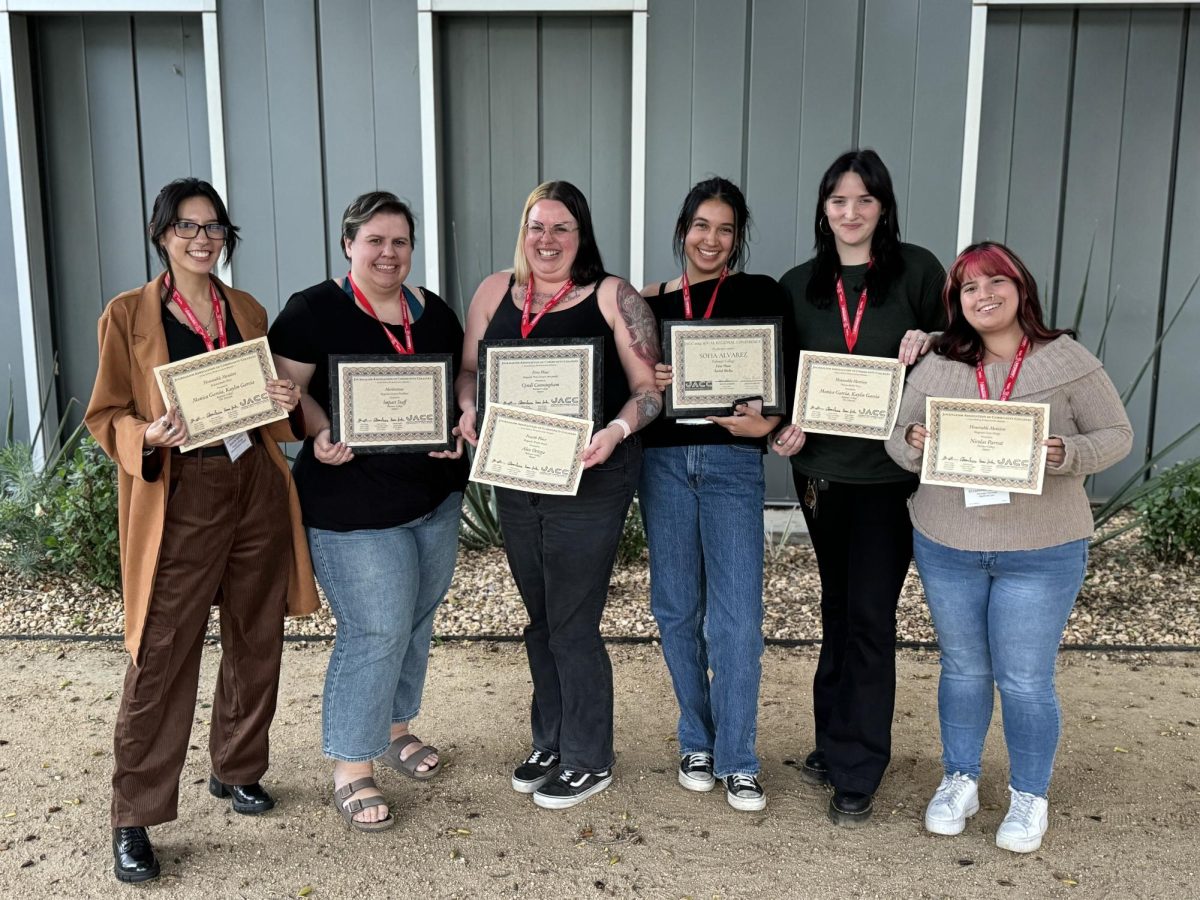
[248, 799]
[133, 855]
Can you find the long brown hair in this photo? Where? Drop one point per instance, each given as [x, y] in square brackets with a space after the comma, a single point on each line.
[961, 342]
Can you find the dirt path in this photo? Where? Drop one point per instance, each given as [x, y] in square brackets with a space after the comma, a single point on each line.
[1124, 809]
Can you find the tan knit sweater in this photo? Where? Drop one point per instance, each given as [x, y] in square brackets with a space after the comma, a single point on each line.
[1085, 411]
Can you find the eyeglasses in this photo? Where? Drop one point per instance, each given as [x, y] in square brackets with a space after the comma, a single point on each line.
[537, 229]
[189, 230]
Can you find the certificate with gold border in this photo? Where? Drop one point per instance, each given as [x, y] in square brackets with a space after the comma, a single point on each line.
[392, 403]
[717, 362]
[563, 376]
[530, 451]
[990, 444]
[222, 392]
[856, 396]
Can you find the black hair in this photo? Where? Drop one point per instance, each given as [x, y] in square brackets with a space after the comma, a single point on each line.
[725, 191]
[165, 213]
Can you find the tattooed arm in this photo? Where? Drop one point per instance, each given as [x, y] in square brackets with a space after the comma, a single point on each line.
[636, 333]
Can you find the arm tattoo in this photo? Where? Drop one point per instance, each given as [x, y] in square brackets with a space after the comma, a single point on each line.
[639, 320]
[648, 405]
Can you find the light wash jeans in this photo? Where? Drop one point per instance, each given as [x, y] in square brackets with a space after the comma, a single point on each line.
[704, 523]
[384, 585]
[999, 617]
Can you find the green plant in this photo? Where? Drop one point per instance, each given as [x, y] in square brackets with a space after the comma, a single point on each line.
[1170, 514]
[775, 544]
[632, 547]
[83, 518]
[480, 520]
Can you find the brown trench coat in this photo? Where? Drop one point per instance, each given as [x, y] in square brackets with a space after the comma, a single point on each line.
[124, 402]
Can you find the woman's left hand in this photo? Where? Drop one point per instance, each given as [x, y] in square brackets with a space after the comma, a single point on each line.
[747, 421]
[914, 345]
[1056, 452]
[456, 453]
[284, 392]
[604, 442]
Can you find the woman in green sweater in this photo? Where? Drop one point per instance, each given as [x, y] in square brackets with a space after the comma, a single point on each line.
[866, 293]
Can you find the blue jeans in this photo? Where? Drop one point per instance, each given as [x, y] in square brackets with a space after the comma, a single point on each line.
[384, 585]
[999, 617]
[704, 523]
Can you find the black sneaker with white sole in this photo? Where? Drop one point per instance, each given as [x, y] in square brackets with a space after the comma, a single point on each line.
[571, 787]
[744, 792]
[540, 767]
[696, 771]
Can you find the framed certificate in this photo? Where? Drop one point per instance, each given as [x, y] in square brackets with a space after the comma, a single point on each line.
[989, 444]
[221, 393]
[530, 451]
[562, 376]
[717, 362]
[392, 403]
[839, 393]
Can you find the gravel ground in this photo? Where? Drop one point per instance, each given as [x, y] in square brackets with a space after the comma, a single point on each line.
[1128, 598]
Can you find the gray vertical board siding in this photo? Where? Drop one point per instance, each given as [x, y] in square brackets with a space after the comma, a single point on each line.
[174, 134]
[718, 88]
[565, 144]
[669, 76]
[1143, 186]
[1177, 409]
[12, 373]
[513, 124]
[294, 142]
[939, 115]
[73, 251]
[889, 70]
[396, 78]
[996, 124]
[1089, 198]
[466, 199]
[250, 173]
[1039, 131]
[113, 124]
[611, 111]
[349, 107]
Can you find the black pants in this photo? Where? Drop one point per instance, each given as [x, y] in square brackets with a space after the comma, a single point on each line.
[862, 537]
[561, 551]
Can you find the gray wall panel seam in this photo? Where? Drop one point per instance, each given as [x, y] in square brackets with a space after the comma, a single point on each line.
[491, 194]
[1168, 228]
[322, 150]
[1056, 259]
[800, 141]
[1012, 127]
[271, 152]
[187, 110]
[748, 55]
[692, 99]
[860, 43]
[1112, 237]
[374, 99]
[141, 150]
[912, 131]
[87, 103]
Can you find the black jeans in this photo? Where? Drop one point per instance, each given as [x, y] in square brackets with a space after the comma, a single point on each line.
[862, 537]
[561, 551]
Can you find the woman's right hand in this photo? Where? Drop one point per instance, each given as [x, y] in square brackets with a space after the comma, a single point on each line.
[788, 441]
[168, 431]
[663, 376]
[328, 452]
[466, 427]
[915, 436]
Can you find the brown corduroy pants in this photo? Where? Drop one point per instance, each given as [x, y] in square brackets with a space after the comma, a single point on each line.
[226, 540]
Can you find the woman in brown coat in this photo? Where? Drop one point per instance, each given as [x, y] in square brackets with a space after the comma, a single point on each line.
[219, 525]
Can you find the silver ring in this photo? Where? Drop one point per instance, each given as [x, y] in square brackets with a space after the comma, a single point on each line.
[170, 429]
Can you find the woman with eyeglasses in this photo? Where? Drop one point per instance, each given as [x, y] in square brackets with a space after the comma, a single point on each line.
[701, 493]
[217, 525]
[383, 527]
[868, 294]
[561, 549]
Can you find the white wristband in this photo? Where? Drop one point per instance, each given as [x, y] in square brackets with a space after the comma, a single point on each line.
[626, 430]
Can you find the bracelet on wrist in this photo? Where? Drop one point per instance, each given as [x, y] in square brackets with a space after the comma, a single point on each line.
[626, 431]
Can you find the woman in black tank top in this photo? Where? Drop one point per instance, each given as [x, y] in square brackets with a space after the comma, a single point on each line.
[561, 548]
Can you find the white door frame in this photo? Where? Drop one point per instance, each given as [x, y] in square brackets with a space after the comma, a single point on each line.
[970, 154]
[36, 345]
[426, 10]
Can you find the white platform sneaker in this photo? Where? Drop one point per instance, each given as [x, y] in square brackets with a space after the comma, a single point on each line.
[955, 801]
[1026, 823]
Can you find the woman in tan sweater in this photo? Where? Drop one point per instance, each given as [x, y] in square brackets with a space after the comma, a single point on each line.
[1001, 571]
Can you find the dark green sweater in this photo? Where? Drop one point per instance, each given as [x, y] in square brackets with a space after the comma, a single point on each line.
[913, 301]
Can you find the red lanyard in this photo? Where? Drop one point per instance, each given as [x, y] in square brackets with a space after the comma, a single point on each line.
[528, 326]
[851, 334]
[366, 304]
[687, 294]
[218, 318]
[1011, 380]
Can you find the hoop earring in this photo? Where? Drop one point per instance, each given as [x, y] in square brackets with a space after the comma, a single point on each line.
[823, 226]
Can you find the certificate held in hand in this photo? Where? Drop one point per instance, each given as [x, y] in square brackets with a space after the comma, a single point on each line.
[991, 445]
[530, 451]
[391, 403]
[841, 393]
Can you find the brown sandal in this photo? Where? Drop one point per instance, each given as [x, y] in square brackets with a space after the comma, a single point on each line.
[391, 758]
[347, 808]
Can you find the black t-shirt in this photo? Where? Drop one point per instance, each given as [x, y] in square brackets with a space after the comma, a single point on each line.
[183, 343]
[913, 301]
[372, 490]
[741, 296]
